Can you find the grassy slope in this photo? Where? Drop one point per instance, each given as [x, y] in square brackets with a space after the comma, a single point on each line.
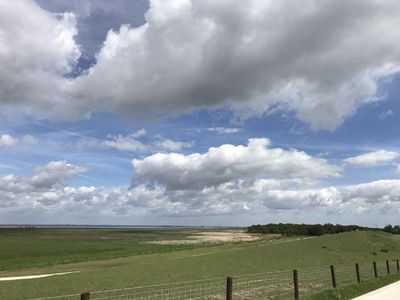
[355, 290]
[206, 262]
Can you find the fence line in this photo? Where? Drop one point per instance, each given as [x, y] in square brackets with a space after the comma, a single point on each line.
[284, 284]
[63, 297]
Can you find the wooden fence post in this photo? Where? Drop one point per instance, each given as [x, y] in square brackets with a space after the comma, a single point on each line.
[296, 285]
[358, 273]
[229, 288]
[375, 270]
[387, 267]
[85, 296]
[333, 276]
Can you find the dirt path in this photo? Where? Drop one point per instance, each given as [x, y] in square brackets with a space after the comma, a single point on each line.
[34, 276]
[391, 291]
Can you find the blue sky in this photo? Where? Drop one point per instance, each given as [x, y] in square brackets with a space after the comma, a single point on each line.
[199, 113]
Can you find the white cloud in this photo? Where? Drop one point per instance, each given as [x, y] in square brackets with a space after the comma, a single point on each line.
[375, 158]
[14, 184]
[125, 143]
[131, 143]
[265, 56]
[7, 140]
[224, 130]
[295, 199]
[171, 145]
[55, 172]
[379, 191]
[303, 57]
[228, 162]
[36, 50]
[139, 133]
[386, 114]
[377, 195]
[47, 190]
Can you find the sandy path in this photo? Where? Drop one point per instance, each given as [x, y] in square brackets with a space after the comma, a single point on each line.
[389, 292]
[35, 276]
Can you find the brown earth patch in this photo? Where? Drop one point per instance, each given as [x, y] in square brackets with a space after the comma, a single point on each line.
[226, 236]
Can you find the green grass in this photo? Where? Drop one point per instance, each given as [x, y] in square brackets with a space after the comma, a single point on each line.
[165, 264]
[27, 248]
[354, 290]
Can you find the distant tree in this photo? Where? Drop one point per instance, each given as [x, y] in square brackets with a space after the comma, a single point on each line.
[312, 229]
[388, 228]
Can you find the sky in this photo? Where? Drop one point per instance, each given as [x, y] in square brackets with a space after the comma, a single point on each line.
[199, 112]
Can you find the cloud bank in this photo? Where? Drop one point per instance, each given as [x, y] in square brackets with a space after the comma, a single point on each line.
[224, 181]
[49, 192]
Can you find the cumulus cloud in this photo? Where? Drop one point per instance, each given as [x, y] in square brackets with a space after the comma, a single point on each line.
[228, 162]
[373, 192]
[301, 57]
[375, 158]
[37, 50]
[293, 199]
[55, 172]
[378, 195]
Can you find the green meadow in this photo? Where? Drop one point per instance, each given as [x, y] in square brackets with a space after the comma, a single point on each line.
[27, 248]
[120, 258]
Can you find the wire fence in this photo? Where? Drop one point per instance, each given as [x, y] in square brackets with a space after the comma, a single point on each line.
[64, 297]
[202, 289]
[286, 284]
[263, 286]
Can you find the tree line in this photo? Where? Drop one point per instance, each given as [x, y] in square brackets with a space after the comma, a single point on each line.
[392, 229]
[314, 229]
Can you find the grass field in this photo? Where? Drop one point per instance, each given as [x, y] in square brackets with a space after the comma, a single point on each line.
[140, 263]
[354, 290]
[26, 248]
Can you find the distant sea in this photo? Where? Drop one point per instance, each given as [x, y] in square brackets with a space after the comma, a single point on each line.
[108, 226]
